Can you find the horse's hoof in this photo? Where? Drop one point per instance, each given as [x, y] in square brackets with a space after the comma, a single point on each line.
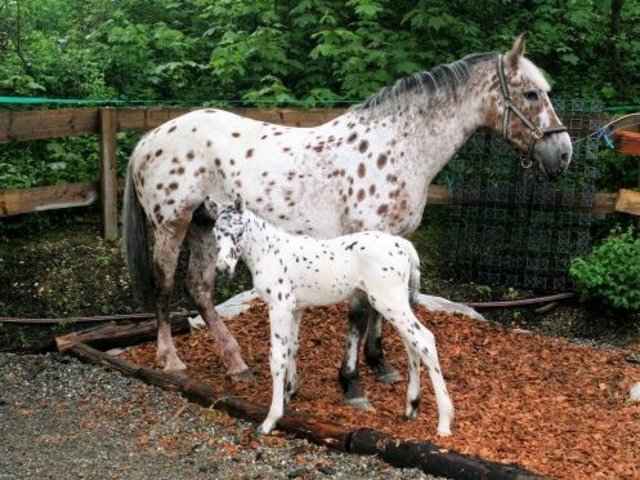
[360, 403]
[245, 376]
[444, 432]
[385, 373]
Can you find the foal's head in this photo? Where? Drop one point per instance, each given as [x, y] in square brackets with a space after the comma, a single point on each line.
[523, 114]
[230, 222]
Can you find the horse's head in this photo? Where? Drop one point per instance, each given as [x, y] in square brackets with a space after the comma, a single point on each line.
[522, 113]
[228, 232]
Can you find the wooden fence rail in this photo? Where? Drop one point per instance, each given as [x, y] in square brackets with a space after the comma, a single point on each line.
[106, 121]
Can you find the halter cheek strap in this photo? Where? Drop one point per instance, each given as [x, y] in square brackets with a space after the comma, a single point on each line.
[536, 131]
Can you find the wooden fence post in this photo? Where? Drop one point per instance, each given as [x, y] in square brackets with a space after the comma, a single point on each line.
[108, 175]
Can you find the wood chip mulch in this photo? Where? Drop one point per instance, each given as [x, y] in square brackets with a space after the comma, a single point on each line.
[552, 406]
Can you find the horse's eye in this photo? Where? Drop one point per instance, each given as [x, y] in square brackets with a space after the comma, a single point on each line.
[532, 95]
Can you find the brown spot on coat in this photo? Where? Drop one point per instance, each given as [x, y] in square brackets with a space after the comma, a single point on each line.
[382, 209]
[382, 160]
[361, 195]
[364, 144]
[250, 153]
[318, 148]
[172, 129]
[352, 138]
[362, 169]
[158, 152]
[372, 189]
[173, 186]
[235, 134]
[190, 155]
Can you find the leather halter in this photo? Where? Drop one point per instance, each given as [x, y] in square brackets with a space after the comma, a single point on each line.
[537, 132]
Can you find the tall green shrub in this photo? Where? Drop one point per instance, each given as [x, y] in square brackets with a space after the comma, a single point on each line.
[611, 272]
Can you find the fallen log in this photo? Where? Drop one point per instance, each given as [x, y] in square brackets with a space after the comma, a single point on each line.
[114, 335]
[427, 456]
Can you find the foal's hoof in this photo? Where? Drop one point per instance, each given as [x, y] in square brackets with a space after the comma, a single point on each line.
[173, 366]
[386, 373]
[360, 403]
[245, 376]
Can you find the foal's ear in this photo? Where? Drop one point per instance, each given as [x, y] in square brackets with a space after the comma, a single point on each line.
[238, 203]
[512, 57]
[211, 206]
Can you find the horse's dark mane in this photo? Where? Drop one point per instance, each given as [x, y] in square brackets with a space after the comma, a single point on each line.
[447, 76]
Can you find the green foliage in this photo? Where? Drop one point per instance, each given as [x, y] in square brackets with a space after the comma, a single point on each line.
[611, 272]
[286, 50]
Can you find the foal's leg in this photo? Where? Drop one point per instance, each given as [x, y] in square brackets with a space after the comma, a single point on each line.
[200, 282]
[168, 239]
[291, 387]
[373, 353]
[349, 374]
[280, 319]
[420, 339]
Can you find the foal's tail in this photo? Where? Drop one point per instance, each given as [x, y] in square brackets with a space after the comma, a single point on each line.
[136, 247]
[414, 276]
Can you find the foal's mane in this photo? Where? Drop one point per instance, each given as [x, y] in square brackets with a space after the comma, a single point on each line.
[448, 77]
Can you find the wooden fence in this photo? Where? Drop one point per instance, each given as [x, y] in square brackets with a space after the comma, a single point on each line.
[106, 121]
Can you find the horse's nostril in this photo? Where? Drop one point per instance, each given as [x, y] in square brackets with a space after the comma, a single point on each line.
[564, 157]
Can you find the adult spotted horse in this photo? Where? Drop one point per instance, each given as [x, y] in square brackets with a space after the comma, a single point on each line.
[368, 169]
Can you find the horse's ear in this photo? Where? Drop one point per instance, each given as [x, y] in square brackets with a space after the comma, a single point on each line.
[239, 203]
[512, 57]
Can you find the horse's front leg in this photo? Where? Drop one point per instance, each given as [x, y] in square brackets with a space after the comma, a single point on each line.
[280, 319]
[349, 374]
[373, 353]
[200, 282]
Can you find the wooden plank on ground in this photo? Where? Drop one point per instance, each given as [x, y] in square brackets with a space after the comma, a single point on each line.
[628, 201]
[42, 124]
[15, 202]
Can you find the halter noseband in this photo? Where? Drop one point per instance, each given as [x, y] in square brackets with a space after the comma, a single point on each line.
[536, 131]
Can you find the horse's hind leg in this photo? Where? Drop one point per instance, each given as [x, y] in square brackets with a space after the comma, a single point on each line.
[200, 282]
[373, 353]
[291, 387]
[168, 240]
[349, 374]
[421, 340]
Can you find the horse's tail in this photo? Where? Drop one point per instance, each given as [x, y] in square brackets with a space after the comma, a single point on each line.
[136, 247]
[414, 276]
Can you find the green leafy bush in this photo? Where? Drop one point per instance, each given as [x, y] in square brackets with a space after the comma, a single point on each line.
[611, 272]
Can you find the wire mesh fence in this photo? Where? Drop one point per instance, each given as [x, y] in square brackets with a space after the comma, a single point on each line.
[509, 225]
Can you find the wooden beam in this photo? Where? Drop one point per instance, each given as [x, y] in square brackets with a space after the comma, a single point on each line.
[108, 174]
[628, 201]
[16, 202]
[41, 124]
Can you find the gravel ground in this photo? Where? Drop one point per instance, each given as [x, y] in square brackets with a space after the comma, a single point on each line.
[61, 419]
